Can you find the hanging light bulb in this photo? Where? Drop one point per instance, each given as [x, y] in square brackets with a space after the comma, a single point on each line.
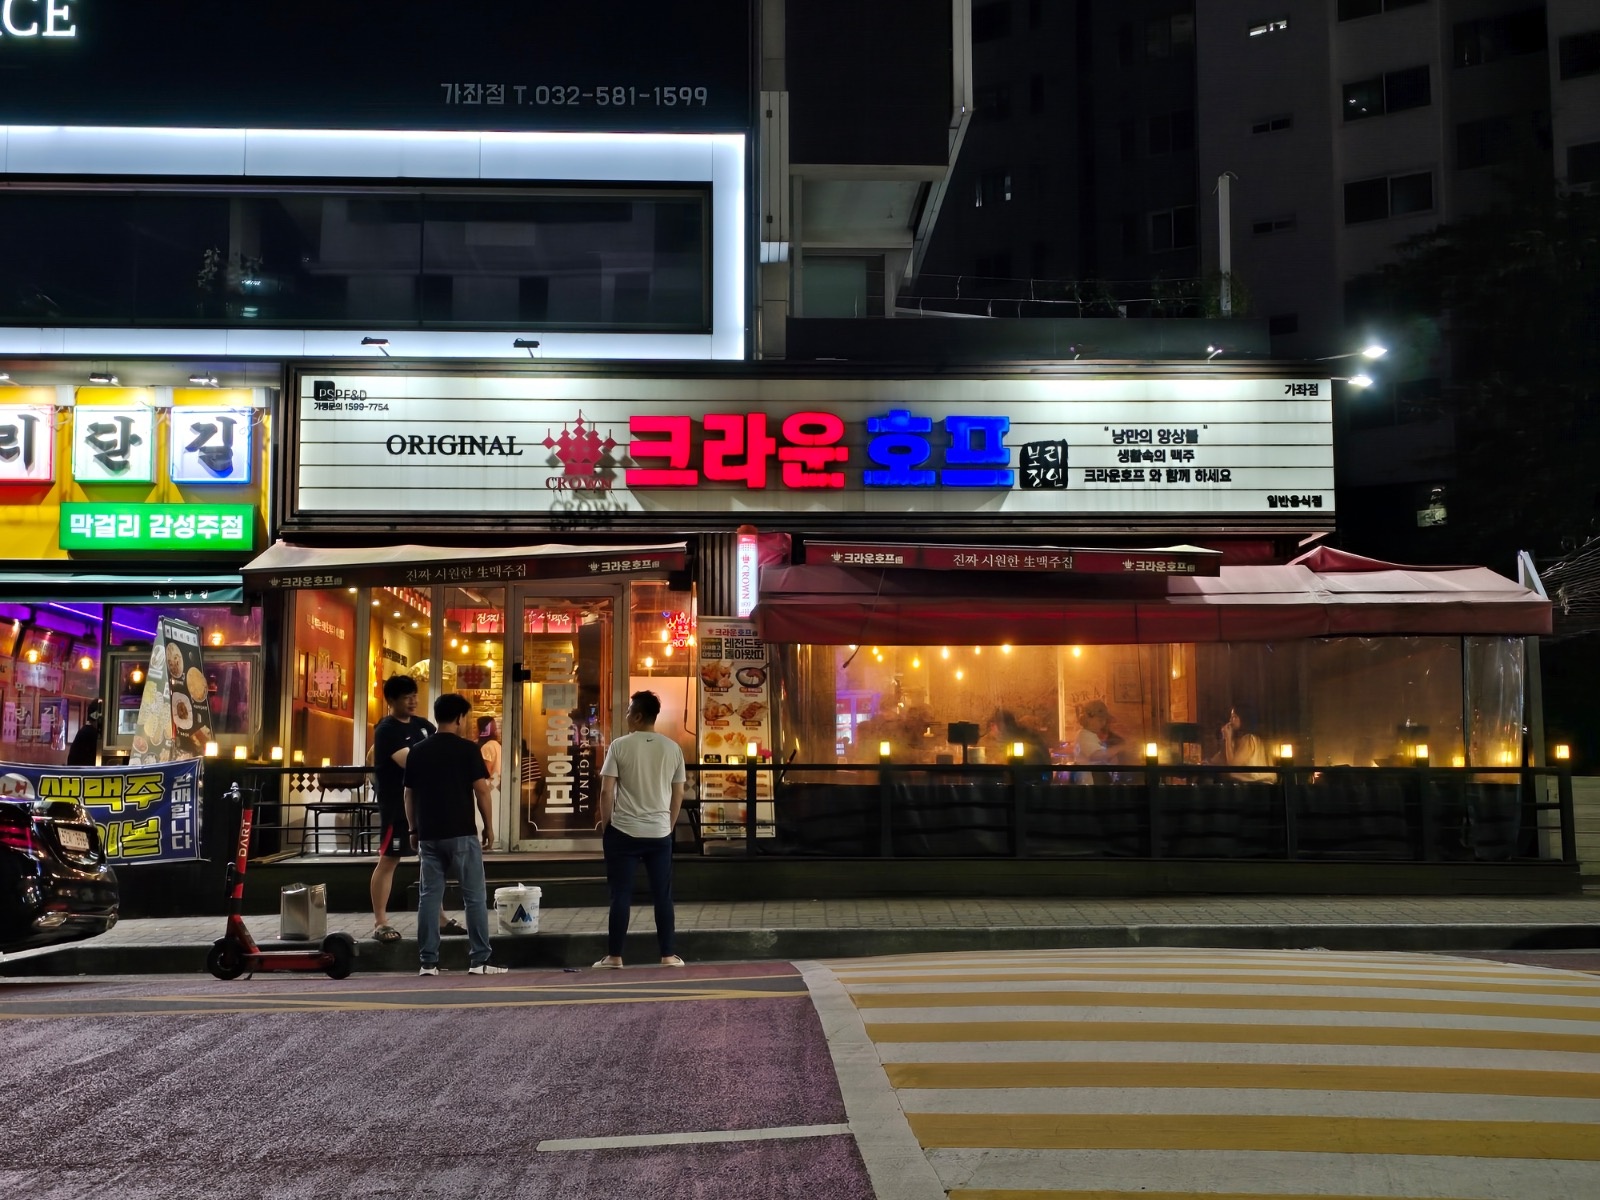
[136, 675]
[915, 662]
[977, 649]
[85, 663]
[1006, 649]
[1077, 652]
[944, 652]
[960, 674]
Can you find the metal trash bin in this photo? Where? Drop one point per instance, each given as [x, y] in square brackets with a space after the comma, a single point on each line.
[303, 915]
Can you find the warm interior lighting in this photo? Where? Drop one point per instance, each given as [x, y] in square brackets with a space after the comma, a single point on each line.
[1286, 751]
[1152, 751]
[240, 753]
[396, 614]
[752, 749]
[136, 675]
[85, 663]
[1077, 652]
[960, 674]
[977, 649]
[944, 651]
[374, 602]
[300, 756]
[454, 642]
[876, 652]
[1420, 752]
[1006, 648]
[1508, 758]
[216, 638]
[1016, 749]
[276, 754]
[1563, 752]
[413, 624]
[1458, 760]
[352, 591]
[666, 636]
[649, 662]
[327, 762]
[33, 656]
[212, 749]
[883, 749]
[667, 650]
[915, 662]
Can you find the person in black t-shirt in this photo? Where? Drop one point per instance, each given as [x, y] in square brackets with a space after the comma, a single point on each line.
[446, 791]
[392, 742]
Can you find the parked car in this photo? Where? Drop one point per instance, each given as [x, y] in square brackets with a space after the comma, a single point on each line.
[55, 885]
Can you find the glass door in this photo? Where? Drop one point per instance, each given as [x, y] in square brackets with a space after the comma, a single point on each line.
[568, 702]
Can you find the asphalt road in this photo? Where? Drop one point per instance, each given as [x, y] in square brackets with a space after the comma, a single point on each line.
[299, 1086]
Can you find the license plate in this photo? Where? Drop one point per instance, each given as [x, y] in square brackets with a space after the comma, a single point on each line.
[73, 839]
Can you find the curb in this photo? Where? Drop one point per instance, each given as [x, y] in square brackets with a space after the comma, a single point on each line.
[579, 950]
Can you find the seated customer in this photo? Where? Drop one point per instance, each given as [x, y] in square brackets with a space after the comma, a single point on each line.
[1241, 748]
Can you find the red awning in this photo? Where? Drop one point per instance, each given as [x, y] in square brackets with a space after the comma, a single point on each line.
[838, 605]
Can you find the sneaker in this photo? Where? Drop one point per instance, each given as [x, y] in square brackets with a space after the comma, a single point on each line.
[428, 971]
[486, 969]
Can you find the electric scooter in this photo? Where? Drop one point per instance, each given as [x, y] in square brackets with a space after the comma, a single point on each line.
[236, 952]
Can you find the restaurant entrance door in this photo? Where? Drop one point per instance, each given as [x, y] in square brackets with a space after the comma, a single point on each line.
[569, 696]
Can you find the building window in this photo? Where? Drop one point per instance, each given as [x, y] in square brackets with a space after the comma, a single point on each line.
[992, 101]
[1169, 35]
[1580, 54]
[991, 21]
[1583, 163]
[1283, 324]
[1493, 38]
[1171, 132]
[1276, 25]
[1486, 142]
[1388, 196]
[1173, 229]
[1350, 10]
[994, 187]
[1273, 124]
[1268, 225]
[1392, 92]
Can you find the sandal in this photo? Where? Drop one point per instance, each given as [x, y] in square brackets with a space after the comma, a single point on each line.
[672, 960]
[605, 964]
[453, 928]
[386, 933]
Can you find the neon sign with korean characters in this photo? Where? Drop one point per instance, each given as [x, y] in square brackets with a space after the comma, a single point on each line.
[25, 19]
[114, 445]
[210, 445]
[27, 444]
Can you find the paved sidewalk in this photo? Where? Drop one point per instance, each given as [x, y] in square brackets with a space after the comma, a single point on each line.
[793, 929]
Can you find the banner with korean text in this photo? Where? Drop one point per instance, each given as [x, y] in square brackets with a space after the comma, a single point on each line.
[735, 719]
[147, 814]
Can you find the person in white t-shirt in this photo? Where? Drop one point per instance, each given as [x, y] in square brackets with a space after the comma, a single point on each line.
[641, 794]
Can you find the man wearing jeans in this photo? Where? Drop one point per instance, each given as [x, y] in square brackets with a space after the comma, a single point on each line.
[445, 779]
[641, 793]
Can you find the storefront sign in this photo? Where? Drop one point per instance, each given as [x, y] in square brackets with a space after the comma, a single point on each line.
[146, 814]
[27, 444]
[981, 448]
[735, 714]
[1181, 560]
[211, 445]
[600, 565]
[175, 720]
[113, 445]
[625, 65]
[176, 527]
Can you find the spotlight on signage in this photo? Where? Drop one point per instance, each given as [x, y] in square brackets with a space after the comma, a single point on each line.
[37, 18]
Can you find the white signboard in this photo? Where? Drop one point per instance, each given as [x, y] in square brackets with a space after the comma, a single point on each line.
[113, 445]
[211, 445]
[27, 443]
[1024, 447]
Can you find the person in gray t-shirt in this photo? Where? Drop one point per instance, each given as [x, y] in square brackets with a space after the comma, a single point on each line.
[641, 794]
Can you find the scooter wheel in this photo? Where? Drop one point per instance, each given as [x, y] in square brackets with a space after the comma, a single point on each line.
[224, 960]
[341, 954]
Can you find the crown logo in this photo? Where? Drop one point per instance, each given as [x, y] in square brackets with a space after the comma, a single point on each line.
[580, 448]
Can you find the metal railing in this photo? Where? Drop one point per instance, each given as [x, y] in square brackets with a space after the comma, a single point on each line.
[1339, 814]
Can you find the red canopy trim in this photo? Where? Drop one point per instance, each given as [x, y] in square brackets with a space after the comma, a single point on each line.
[1050, 560]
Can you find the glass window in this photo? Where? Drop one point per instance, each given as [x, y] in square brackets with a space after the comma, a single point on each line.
[661, 658]
[614, 259]
[399, 642]
[322, 709]
[1367, 200]
[1363, 98]
[991, 21]
[1583, 163]
[1410, 194]
[1373, 700]
[1493, 38]
[474, 665]
[1406, 89]
[1580, 54]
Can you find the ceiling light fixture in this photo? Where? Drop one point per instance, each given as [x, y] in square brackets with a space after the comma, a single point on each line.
[380, 343]
[204, 380]
[528, 344]
[101, 379]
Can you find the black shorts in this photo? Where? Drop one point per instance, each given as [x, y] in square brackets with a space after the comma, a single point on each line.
[394, 831]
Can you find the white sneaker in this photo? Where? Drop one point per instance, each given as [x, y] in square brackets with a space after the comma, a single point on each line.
[428, 971]
[486, 969]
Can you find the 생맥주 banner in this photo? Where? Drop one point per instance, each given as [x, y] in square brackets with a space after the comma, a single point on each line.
[146, 814]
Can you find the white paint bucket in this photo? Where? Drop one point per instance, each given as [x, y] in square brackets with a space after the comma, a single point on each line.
[517, 908]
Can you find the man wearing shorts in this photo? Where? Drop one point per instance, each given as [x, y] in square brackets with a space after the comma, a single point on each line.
[392, 741]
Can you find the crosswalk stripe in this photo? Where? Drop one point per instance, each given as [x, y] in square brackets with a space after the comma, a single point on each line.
[1321, 1134]
[1157, 1031]
[869, 984]
[1452, 1080]
[1102, 1194]
[1276, 1002]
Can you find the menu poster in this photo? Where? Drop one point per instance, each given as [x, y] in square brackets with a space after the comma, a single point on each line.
[735, 711]
[175, 711]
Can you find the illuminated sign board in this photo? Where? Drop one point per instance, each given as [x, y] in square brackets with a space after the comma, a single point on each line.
[27, 444]
[114, 445]
[1064, 448]
[170, 527]
[37, 19]
[210, 445]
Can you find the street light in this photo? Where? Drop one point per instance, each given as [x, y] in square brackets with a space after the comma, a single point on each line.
[1371, 352]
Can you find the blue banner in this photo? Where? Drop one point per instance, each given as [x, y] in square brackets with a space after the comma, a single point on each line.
[144, 814]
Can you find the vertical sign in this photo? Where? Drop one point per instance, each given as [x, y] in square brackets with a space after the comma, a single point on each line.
[175, 711]
[735, 711]
[113, 445]
[748, 573]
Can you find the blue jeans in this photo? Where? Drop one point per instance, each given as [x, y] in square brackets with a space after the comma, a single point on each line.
[440, 856]
[622, 851]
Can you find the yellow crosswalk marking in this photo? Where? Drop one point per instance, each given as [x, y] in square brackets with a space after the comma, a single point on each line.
[1415, 983]
[1102, 1194]
[1274, 1001]
[1305, 1135]
[1460, 1081]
